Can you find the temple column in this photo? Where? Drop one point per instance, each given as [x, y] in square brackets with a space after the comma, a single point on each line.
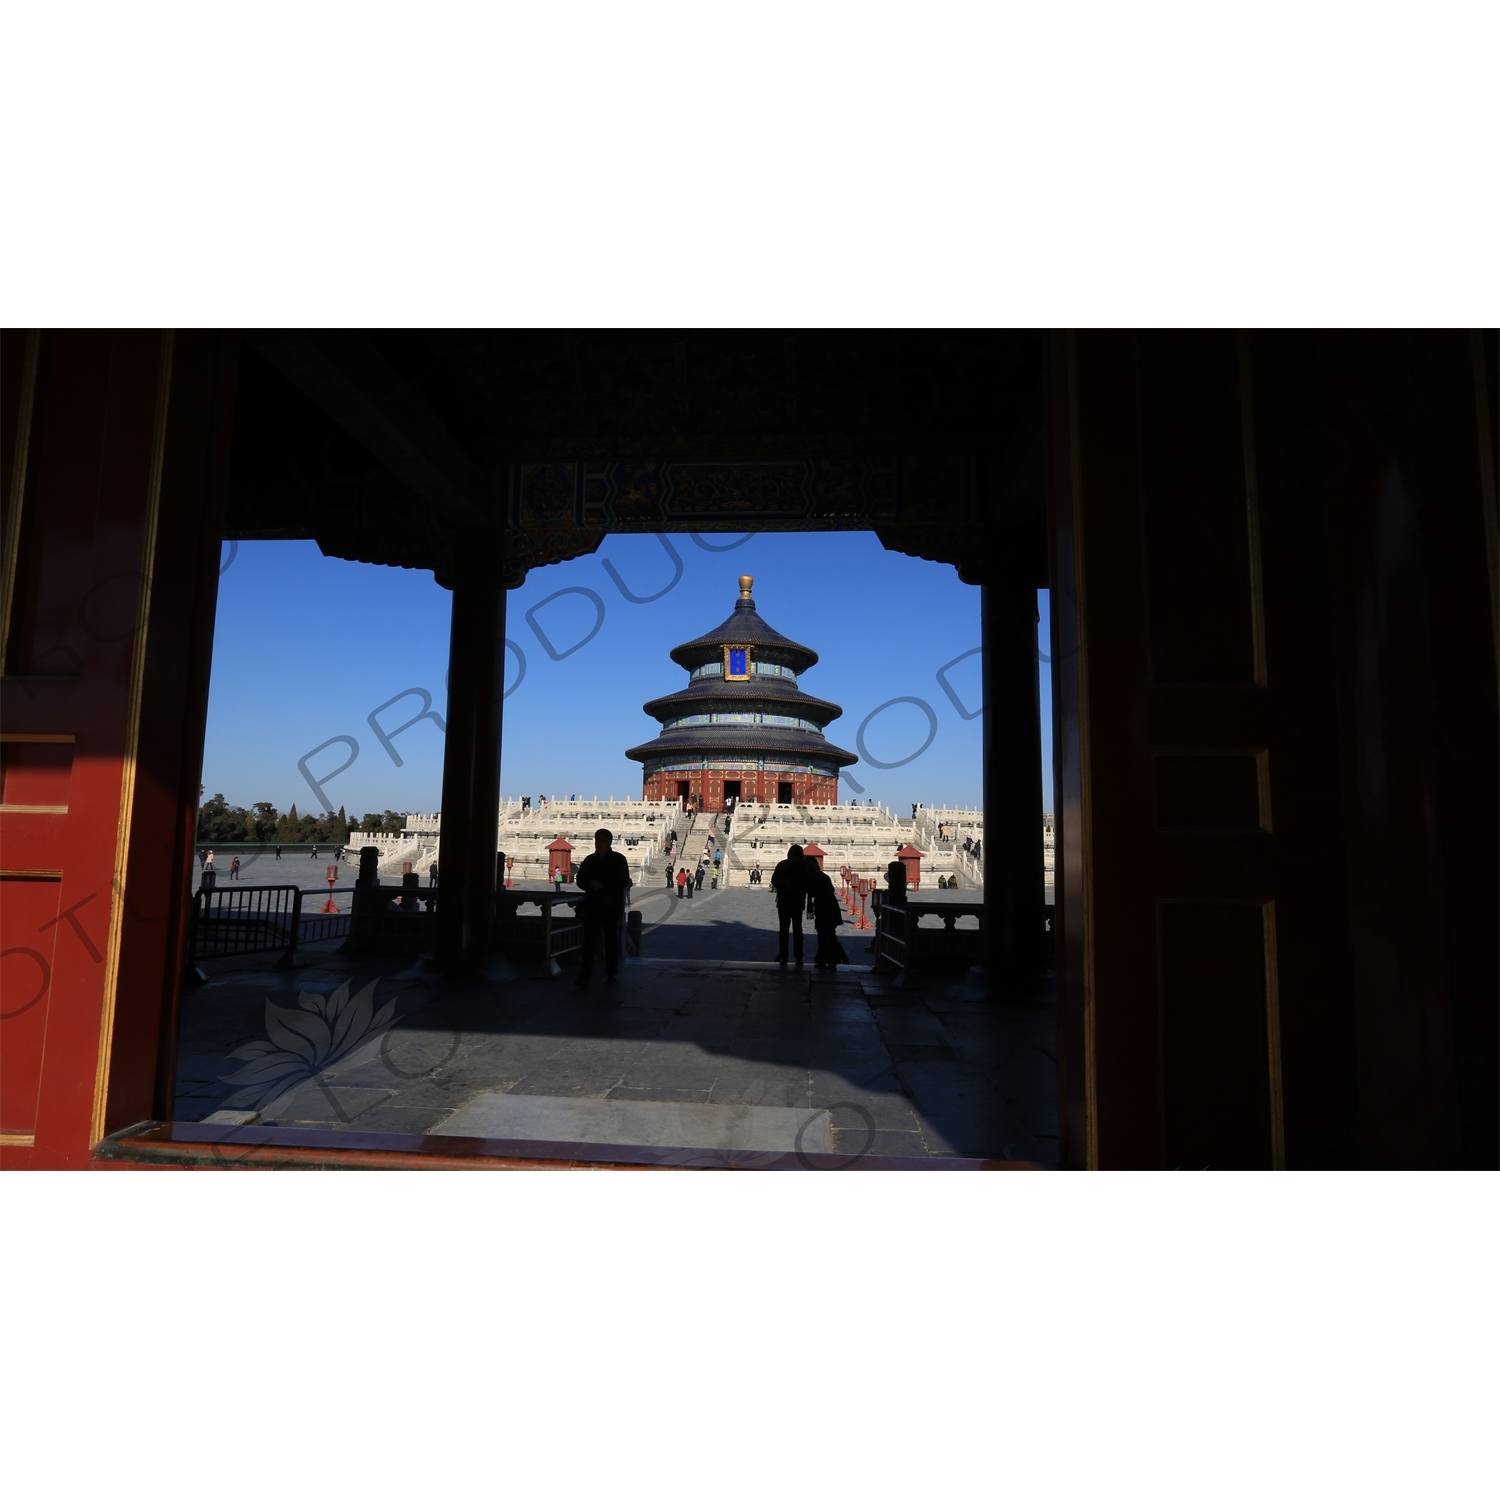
[471, 754]
[1013, 853]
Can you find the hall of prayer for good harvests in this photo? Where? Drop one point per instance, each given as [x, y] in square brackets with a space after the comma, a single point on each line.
[742, 729]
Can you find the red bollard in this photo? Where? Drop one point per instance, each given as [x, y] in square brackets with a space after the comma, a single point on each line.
[331, 875]
[863, 925]
[510, 864]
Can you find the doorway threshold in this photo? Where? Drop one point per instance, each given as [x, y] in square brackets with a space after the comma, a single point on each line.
[257, 1147]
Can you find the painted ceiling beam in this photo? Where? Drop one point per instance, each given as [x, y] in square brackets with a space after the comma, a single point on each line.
[353, 382]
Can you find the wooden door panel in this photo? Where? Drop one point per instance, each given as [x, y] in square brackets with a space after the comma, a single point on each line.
[28, 937]
[1217, 1035]
[1200, 559]
[1276, 749]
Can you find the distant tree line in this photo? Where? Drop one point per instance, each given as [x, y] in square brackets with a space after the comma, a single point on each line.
[261, 823]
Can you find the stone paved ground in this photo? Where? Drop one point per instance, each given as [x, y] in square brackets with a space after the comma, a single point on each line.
[938, 1071]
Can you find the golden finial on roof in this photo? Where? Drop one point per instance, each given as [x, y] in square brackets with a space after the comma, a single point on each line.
[745, 582]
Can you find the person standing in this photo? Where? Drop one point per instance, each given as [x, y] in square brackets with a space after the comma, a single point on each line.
[432, 873]
[603, 877]
[789, 881]
[827, 918]
[681, 881]
[278, 851]
[698, 878]
[670, 873]
[208, 860]
[234, 868]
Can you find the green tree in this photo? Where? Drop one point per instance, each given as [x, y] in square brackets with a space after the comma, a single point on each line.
[220, 823]
[264, 821]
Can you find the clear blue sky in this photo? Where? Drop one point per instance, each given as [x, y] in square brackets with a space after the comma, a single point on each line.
[308, 647]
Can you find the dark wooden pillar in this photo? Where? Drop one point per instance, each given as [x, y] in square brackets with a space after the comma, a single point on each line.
[471, 756]
[1013, 857]
[1276, 738]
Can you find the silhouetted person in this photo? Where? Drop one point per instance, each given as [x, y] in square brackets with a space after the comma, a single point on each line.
[603, 877]
[432, 873]
[828, 915]
[278, 851]
[789, 881]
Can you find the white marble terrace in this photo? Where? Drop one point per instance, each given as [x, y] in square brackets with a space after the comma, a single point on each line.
[864, 838]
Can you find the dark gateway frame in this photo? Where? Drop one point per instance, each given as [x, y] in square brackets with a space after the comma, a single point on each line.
[1272, 560]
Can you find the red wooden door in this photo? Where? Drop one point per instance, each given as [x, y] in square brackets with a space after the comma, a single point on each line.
[113, 456]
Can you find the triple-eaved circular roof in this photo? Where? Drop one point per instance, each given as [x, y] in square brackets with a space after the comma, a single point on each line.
[761, 694]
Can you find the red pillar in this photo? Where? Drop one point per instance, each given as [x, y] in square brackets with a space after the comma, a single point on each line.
[114, 457]
[471, 754]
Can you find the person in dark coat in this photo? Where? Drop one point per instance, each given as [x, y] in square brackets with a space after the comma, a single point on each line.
[789, 881]
[603, 877]
[828, 915]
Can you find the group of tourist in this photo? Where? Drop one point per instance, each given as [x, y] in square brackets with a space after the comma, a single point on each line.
[801, 886]
[687, 881]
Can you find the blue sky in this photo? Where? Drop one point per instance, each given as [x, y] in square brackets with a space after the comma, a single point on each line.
[307, 648]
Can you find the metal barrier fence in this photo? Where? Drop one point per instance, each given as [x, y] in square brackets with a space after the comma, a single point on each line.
[230, 921]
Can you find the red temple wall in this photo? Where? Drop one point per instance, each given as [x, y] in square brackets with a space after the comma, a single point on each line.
[755, 786]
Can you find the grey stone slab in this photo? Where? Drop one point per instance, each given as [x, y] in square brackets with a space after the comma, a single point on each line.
[704, 1030]
[915, 1026]
[649, 995]
[1031, 1077]
[660, 1096]
[957, 1122]
[402, 1119]
[889, 1111]
[522, 1050]
[763, 1086]
[640, 1122]
[862, 1042]
[939, 1070]
[331, 1104]
[879, 1143]
[840, 1012]
[589, 1076]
